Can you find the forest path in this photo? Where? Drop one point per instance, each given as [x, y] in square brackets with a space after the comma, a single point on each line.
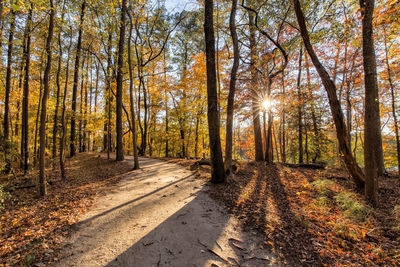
[161, 215]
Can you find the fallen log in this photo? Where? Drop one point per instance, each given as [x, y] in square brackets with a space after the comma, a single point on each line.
[203, 162]
[320, 165]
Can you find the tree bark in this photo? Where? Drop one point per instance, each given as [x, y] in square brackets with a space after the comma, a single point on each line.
[372, 134]
[217, 165]
[63, 119]
[46, 78]
[25, 98]
[58, 84]
[341, 130]
[6, 122]
[316, 130]
[232, 87]
[133, 116]
[255, 101]
[394, 113]
[121, 44]
[300, 109]
[76, 77]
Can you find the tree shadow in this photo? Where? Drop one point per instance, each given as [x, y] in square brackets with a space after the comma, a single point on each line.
[292, 239]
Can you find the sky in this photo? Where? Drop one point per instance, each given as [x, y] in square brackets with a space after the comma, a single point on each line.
[179, 5]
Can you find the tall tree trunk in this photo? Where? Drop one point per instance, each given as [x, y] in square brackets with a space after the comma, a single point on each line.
[232, 87]
[25, 99]
[1, 24]
[316, 131]
[58, 84]
[63, 119]
[396, 124]
[341, 130]
[217, 164]
[6, 122]
[76, 78]
[283, 139]
[255, 101]
[46, 78]
[133, 116]
[372, 129]
[166, 109]
[121, 44]
[35, 152]
[300, 109]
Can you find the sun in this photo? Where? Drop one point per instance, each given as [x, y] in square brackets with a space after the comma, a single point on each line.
[267, 104]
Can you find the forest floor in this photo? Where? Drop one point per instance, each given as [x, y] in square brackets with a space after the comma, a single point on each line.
[108, 215]
[165, 214]
[312, 217]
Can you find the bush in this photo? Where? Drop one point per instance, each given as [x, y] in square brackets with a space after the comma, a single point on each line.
[353, 208]
[323, 186]
[4, 195]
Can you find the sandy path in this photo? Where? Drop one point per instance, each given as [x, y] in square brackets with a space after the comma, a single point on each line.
[161, 215]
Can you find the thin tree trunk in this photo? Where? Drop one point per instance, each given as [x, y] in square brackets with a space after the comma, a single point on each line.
[76, 77]
[396, 124]
[6, 122]
[63, 119]
[46, 78]
[121, 44]
[255, 101]
[58, 84]
[25, 99]
[217, 164]
[283, 144]
[300, 110]
[133, 116]
[232, 87]
[317, 154]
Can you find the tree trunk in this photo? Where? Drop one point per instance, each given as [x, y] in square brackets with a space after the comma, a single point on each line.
[232, 87]
[341, 130]
[76, 77]
[46, 78]
[63, 119]
[255, 101]
[316, 131]
[372, 134]
[6, 122]
[283, 137]
[25, 99]
[217, 164]
[133, 116]
[58, 84]
[121, 44]
[396, 124]
[300, 109]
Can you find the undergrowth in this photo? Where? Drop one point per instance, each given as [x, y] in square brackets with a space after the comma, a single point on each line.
[353, 208]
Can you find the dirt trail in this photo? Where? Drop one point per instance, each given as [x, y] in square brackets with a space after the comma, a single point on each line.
[161, 215]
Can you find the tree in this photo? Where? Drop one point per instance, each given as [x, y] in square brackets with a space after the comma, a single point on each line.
[46, 78]
[120, 76]
[131, 99]
[372, 129]
[255, 98]
[6, 120]
[232, 85]
[25, 99]
[330, 87]
[300, 112]
[217, 165]
[76, 77]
